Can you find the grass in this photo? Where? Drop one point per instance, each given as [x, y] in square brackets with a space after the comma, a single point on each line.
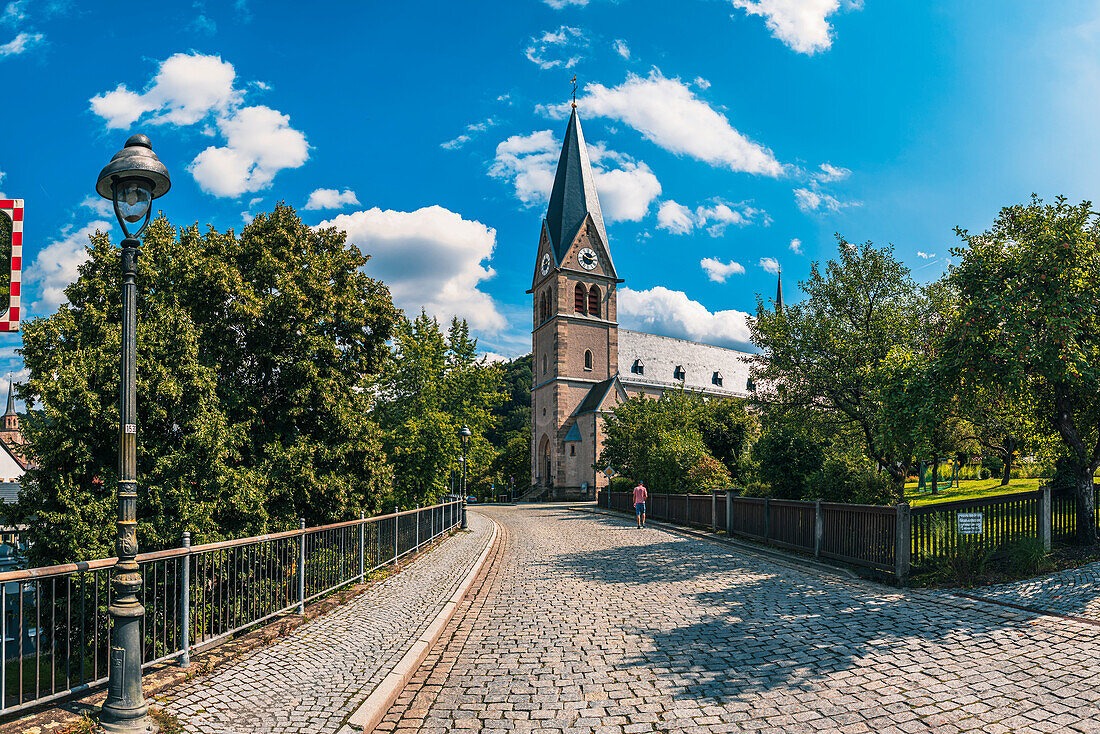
[969, 489]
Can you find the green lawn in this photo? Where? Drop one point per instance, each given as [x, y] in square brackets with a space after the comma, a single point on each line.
[968, 490]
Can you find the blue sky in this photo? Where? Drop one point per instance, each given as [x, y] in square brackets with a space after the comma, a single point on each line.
[728, 135]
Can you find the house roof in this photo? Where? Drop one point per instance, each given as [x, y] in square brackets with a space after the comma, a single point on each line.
[573, 196]
[661, 355]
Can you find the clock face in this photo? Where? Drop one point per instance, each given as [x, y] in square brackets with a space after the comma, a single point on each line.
[545, 267]
[588, 258]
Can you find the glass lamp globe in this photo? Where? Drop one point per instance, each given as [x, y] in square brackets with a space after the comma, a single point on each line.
[134, 198]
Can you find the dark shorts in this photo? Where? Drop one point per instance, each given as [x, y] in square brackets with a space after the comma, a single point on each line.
[639, 508]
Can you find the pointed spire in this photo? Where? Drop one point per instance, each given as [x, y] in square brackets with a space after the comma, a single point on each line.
[779, 293]
[574, 194]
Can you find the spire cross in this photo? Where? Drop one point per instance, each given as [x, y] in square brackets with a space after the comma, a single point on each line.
[574, 80]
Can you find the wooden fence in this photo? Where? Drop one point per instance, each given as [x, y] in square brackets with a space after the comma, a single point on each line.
[886, 538]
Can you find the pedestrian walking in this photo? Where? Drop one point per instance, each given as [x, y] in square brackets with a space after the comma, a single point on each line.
[640, 496]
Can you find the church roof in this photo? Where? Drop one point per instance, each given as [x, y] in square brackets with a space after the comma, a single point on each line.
[574, 194]
[779, 293]
[574, 433]
[595, 396]
[11, 400]
[660, 356]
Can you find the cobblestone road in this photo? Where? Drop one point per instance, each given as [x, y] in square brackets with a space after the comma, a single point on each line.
[313, 679]
[582, 623]
[1075, 592]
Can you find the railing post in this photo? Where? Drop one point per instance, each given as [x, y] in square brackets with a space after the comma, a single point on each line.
[714, 511]
[903, 536]
[362, 546]
[729, 512]
[396, 532]
[302, 568]
[185, 605]
[418, 527]
[819, 528]
[767, 518]
[1046, 517]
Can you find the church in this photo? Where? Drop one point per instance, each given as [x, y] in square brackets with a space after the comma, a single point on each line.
[583, 363]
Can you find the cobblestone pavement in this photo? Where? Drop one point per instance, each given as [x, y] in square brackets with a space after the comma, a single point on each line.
[1075, 592]
[582, 623]
[313, 679]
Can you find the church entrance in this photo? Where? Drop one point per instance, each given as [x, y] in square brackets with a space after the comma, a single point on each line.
[544, 453]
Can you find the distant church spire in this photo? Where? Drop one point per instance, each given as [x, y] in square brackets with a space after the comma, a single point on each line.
[11, 399]
[779, 293]
[574, 194]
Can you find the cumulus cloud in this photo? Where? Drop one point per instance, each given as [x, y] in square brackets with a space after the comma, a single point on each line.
[190, 89]
[659, 310]
[925, 255]
[626, 187]
[796, 246]
[331, 199]
[701, 83]
[22, 42]
[102, 207]
[769, 264]
[430, 258]
[802, 25]
[828, 172]
[56, 265]
[679, 219]
[622, 49]
[718, 271]
[667, 112]
[14, 12]
[559, 4]
[813, 199]
[560, 48]
[471, 130]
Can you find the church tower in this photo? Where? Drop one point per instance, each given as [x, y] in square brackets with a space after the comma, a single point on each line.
[574, 334]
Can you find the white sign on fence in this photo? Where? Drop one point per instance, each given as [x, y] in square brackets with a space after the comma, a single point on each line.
[970, 523]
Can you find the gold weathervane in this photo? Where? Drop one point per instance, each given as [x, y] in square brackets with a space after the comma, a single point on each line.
[574, 80]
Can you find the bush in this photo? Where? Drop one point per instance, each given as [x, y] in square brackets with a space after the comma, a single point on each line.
[968, 561]
[839, 482]
[786, 460]
[756, 489]
[994, 463]
[986, 474]
[708, 474]
[1027, 556]
[622, 484]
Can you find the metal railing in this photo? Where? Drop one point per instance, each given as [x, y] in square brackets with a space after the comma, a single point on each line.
[54, 626]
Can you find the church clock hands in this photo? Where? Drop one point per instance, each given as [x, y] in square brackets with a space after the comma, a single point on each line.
[545, 267]
[588, 259]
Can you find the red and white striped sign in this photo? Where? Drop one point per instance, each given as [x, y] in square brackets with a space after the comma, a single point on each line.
[9, 320]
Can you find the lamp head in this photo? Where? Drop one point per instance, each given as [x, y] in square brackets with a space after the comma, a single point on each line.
[133, 178]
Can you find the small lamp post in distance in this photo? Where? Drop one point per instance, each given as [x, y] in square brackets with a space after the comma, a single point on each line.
[464, 433]
[133, 178]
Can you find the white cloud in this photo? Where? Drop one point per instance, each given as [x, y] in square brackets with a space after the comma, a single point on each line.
[829, 173]
[22, 42]
[676, 218]
[814, 199]
[102, 207]
[454, 143]
[622, 49]
[662, 311]
[189, 89]
[14, 12]
[430, 258]
[56, 265]
[626, 187]
[331, 199]
[769, 264]
[718, 271]
[801, 24]
[259, 143]
[667, 112]
[679, 219]
[559, 4]
[925, 255]
[796, 246]
[557, 48]
[701, 83]
[471, 130]
[493, 358]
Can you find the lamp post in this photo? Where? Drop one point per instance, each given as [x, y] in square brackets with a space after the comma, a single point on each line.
[464, 434]
[133, 178]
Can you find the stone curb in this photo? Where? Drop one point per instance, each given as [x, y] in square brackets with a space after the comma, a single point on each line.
[797, 562]
[371, 712]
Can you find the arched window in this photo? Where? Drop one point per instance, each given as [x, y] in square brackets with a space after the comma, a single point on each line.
[580, 299]
[588, 359]
[678, 373]
[637, 368]
[594, 301]
[716, 378]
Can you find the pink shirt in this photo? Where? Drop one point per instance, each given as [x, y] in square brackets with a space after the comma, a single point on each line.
[640, 494]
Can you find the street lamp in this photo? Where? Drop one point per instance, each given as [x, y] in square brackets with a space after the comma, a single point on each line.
[133, 178]
[464, 433]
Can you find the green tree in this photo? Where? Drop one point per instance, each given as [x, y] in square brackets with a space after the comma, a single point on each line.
[787, 457]
[1029, 323]
[822, 353]
[255, 358]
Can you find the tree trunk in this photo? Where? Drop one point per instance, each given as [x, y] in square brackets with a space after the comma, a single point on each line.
[1010, 451]
[935, 473]
[1086, 504]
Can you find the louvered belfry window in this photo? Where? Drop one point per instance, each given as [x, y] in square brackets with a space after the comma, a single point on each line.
[594, 301]
[580, 299]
